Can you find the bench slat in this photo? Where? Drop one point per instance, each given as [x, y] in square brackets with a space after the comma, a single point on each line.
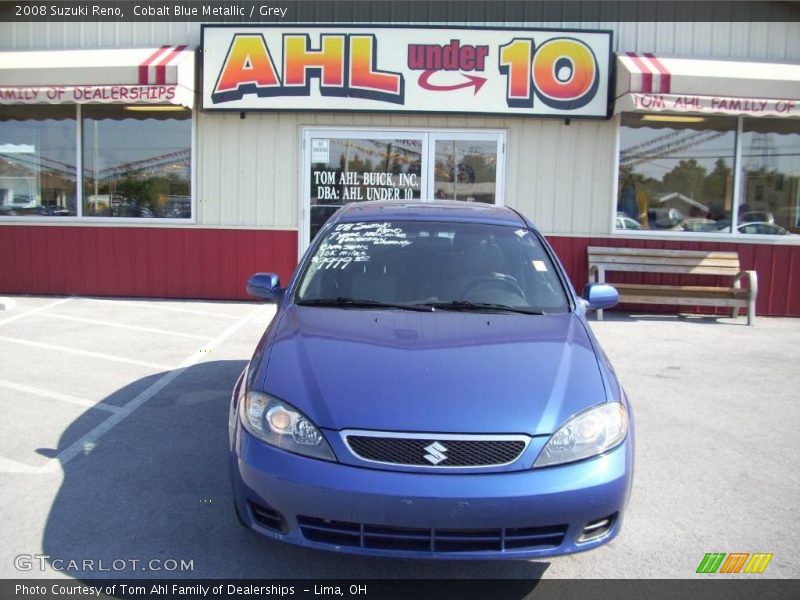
[688, 270]
[663, 260]
[628, 289]
[660, 252]
[666, 260]
[687, 301]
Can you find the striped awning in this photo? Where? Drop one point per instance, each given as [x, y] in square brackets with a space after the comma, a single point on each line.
[162, 75]
[649, 83]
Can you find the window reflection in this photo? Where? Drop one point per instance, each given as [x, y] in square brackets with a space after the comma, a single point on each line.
[770, 177]
[137, 161]
[465, 170]
[355, 169]
[359, 169]
[37, 161]
[676, 173]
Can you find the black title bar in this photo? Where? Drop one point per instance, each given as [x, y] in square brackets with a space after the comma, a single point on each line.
[398, 11]
[709, 588]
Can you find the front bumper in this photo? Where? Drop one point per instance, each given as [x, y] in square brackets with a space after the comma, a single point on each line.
[513, 515]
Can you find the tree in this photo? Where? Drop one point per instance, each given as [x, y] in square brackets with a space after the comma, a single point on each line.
[687, 178]
[716, 184]
[652, 188]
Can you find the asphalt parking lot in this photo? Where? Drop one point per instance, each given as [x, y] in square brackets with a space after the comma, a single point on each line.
[113, 445]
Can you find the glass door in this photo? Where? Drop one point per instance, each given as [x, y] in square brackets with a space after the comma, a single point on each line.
[466, 166]
[357, 165]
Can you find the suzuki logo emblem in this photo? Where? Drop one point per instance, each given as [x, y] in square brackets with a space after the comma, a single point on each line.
[436, 453]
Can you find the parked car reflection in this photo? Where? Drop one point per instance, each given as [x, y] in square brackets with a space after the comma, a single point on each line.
[697, 225]
[757, 216]
[625, 222]
[762, 228]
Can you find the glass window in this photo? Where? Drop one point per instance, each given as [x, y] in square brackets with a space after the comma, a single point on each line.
[465, 170]
[676, 172]
[358, 169]
[354, 166]
[432, 264]
[137, 161]
[38, 161]
[770, 177]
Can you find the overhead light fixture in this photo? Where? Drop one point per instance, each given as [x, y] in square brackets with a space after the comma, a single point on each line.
[673, 118]
[156, 108]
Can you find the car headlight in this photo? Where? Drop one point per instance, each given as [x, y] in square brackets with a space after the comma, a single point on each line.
[280, 424]
[589, 433]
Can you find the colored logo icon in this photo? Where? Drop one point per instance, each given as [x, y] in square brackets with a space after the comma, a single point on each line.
[735, 562]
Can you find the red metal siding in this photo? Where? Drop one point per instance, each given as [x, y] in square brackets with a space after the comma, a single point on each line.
[163, 262]
[156, 262]
[778, 268]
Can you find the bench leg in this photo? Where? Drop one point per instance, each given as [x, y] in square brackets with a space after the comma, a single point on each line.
[751, 311]
[600, 277]
[737, 283]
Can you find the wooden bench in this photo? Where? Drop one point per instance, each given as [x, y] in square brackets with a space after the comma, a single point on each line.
[689, 262]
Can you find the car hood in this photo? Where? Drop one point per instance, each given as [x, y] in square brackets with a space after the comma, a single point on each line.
[457, 372]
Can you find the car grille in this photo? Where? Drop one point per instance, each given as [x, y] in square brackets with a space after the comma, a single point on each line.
[457, 452]
[383, 537]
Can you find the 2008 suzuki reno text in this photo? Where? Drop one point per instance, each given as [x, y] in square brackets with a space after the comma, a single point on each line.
[429, 387]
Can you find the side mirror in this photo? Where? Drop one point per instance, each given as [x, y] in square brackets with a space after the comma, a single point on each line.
[266, 286]
[599, 296]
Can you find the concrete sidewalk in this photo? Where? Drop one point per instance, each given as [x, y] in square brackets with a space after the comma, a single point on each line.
[113, 445]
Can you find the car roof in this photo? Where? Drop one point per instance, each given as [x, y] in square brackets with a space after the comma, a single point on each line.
[767, 223]
[437, 210]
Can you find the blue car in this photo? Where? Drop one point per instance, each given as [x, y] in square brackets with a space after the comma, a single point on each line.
[429, 388]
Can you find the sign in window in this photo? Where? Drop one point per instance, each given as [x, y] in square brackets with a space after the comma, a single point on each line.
[360, 166]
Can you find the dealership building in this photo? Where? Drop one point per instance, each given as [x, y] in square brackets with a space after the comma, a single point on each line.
[174, 159]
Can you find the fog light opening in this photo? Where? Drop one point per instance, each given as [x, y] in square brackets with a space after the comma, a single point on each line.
[269, 518]
[596, 529]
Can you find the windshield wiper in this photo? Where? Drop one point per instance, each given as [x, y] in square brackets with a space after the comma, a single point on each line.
[464, 305]
[343, 302]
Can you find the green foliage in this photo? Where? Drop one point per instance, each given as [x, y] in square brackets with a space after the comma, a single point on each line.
[716, 183]
[686, 178]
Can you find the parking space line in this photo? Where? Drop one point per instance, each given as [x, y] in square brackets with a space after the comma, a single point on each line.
[12, 466]
[58, 396]
[89, 439]
[157, 304]
[33, 311]
[100, 355]
[124, 326]
[86, 442]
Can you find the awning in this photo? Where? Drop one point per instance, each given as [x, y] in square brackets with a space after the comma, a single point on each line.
[647, 83]
[162, 75]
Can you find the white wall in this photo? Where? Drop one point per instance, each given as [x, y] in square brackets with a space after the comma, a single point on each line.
[561, 176]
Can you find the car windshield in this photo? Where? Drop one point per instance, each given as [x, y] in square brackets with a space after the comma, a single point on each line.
[438, 265]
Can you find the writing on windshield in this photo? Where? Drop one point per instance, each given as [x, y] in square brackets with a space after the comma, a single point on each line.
[351, 243]
[442, 265]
